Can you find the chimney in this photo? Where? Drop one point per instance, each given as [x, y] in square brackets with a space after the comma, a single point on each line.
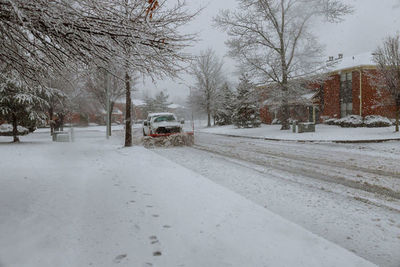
[330, 58]
[340, 56]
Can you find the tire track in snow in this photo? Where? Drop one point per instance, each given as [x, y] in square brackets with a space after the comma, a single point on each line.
[303, 166]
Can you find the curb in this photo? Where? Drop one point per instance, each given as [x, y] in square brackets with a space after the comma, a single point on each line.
[309, 141]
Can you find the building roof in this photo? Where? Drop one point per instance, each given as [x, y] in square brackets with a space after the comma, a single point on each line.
[174, 106]
[138, 102]
[116, 111]
[349, 62]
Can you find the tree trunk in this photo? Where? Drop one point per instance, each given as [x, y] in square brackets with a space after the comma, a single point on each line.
[110, 117]
[397, 116]
[208, 112]
[61, 122]
[128, 116]
[51, 114]
[15, 128]
[285, 115]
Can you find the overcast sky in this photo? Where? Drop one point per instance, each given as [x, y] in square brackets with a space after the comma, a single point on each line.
[361, 32]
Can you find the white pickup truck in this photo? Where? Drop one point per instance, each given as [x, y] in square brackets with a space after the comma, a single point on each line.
[164, 123]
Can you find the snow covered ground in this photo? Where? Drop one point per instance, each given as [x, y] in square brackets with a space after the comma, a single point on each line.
[338, 191]
[322, 133]
[94, 203]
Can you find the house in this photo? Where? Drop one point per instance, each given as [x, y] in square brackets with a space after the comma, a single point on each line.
[300, 108]
[138, 108]
[349, 90]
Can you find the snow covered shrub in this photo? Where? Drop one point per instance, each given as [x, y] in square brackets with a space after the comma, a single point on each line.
[350, 121]
[276, 121]
[331, 121]
[376, 121]
[247, 111]
[7, 130]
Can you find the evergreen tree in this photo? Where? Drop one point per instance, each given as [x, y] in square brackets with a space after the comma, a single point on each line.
[21, 104]
[150, 105]
[247, 112]
[225, 105]
[161, 102]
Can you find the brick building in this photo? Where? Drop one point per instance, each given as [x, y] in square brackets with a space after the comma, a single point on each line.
[350, 90]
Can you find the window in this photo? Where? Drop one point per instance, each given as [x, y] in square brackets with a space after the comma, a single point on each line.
[346, 94]
[165, 118]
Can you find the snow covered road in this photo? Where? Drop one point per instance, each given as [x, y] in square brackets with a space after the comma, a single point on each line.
[347, 193]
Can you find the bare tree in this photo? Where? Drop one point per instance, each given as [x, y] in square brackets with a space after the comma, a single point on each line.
[387, 57]
[96, 85]
[207, 70]
[273, 41]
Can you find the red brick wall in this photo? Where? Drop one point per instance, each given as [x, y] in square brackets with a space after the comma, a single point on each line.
[372, 102]
[265, 115]
[332, 97]
[375, 101]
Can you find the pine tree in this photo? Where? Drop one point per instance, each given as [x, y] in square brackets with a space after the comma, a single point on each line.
[161, 102]
[224, 105]
[247, 112]
[21, 104]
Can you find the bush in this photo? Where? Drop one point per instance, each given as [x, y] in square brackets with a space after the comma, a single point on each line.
[276, 121]
[7, 130]
[351, 121]
[332, 121]
[376, 121]
[358, 121]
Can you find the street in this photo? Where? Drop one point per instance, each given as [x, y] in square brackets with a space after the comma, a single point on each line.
[346, 193]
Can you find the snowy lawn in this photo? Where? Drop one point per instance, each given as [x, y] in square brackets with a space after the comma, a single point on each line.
[322, 133]
[94, 203]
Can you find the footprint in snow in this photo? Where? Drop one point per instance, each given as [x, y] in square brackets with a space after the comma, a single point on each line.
[166, 226]
[156, 215]
[119, 258]
[157, 253]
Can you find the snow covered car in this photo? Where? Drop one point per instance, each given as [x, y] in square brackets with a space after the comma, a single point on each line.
[162, 124]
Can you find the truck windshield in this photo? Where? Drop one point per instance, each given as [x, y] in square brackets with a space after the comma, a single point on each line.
[164, 118]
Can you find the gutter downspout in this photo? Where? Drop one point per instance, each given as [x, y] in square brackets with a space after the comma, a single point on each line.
[361, 106]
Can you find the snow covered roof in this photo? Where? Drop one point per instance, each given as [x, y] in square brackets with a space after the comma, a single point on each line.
[160, 114]
[305, 99]
[116, 111]
[174, 106]
[365, 59]
[138, 102]
[308, 96]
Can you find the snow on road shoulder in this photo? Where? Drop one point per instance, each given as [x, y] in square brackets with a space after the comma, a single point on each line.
[322, 133]
[212, 226]
[93, 203]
